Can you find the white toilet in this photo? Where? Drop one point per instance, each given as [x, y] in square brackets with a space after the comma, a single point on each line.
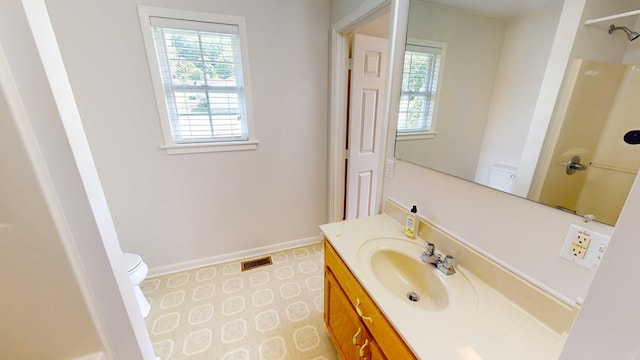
[502, 177]
[137, 272]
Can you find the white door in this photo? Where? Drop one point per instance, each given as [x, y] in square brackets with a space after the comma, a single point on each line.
[368, 78]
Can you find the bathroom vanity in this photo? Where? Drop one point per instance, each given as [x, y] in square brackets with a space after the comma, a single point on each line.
[356, 325]
[382, 302]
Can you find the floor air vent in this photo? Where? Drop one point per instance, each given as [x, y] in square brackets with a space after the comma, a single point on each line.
[255, 263]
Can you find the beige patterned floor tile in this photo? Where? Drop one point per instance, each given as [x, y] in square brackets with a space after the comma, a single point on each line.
[267, 320]
[290, 289]
[307, 267]
[163, 348]
[206, 274]
[297, 311]
[259, 278]
[232, 285]
[273, 349]
[150, 286]
[234, 330]
[300, 253]
[238, 354]
[172, 299]
[315, 283]
[220, 312]
[233, 305]
[178, 280]
[231, 269]
[203, 292]
[165, 323]
[197, 342]
[200, 314]
[279, 258]
[262, 297]
[284, 272]
[306, 338]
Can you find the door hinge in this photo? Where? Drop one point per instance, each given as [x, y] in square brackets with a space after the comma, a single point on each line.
[345, 154]
[349, 63]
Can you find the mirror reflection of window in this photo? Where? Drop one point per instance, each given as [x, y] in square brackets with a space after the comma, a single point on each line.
[423, 64]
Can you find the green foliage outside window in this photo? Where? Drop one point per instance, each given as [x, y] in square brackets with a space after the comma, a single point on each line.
[193, 55]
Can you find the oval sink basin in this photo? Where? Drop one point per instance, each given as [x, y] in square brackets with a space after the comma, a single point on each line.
[405, 277]
[395, 266]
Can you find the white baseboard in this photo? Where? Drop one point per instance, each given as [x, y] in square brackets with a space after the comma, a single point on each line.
[94, 356]
[239, 255]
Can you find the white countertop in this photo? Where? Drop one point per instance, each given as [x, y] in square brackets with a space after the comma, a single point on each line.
[497, 330]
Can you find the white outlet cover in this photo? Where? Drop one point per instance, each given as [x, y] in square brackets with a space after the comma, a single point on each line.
[595, 251]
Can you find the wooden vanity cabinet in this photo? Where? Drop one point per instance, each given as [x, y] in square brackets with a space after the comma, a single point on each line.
[356, 326]
[347, 331]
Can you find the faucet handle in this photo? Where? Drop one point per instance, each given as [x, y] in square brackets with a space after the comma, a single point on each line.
[447, 265]
[428, 255]
[449, 262]
[429, 248]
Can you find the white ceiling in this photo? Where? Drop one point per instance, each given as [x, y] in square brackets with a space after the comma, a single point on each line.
[499, 8]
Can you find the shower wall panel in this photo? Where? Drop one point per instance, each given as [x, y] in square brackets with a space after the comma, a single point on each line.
[615, 163]
[590, 103]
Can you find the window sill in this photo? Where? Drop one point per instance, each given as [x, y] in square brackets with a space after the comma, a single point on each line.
[194, 148]
[416, 135]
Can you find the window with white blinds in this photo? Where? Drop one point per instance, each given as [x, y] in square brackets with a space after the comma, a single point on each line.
[421, 70]
[201, 76]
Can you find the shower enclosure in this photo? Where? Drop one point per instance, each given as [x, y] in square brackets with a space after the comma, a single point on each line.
[597, 106]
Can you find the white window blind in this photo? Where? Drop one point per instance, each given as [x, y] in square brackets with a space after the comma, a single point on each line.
[201, 72]
[419, 87]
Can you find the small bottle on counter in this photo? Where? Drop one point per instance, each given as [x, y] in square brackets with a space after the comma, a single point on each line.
[412, 223]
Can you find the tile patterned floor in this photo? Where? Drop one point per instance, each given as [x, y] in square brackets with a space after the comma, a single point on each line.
[219, 312]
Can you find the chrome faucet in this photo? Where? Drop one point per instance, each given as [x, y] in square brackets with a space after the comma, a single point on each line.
[446, 264]
[429, 254]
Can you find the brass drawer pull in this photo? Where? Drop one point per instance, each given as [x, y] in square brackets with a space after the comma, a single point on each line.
[354, 340]
[366, 343]
[360, 313]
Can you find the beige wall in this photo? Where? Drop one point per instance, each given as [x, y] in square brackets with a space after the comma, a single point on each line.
[474, 44]
[632, 55]
[516, 90]
[378, 27]
[44, 315]
[178, 208]
[342, 8]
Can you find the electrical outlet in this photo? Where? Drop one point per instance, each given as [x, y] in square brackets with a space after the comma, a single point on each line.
[582, 239]
[584, 247]
[577, 251]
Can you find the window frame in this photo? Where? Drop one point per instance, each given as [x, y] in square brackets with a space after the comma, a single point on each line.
[170, 145]
[431, 133]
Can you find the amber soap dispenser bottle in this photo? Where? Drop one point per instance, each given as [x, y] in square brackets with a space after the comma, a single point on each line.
[411, 224]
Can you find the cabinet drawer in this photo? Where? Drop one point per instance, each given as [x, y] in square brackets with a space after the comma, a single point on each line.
[380, 328]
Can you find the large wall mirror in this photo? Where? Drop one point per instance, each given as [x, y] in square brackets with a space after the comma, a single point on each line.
[471, 80]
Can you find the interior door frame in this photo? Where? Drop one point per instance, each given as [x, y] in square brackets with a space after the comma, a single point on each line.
[399, 10]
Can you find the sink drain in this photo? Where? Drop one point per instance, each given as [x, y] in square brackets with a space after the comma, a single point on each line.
[413, 296]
